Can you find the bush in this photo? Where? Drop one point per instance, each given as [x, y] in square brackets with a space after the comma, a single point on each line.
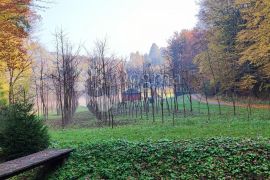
[219, 158]
[23, 133]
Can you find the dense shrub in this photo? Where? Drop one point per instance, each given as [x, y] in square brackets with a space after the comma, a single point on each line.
[23, 133]
[197, 159]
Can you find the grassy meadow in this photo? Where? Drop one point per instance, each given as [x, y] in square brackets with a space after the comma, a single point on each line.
[215, 147]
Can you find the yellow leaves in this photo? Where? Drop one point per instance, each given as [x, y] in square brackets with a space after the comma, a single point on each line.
[11, 54]
[200, 60]
[254, 41]
[266, 70]
[247, 82]
[238, 44]
[15, 66]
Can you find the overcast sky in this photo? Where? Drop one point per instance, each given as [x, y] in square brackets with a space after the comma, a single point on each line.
[129, 25]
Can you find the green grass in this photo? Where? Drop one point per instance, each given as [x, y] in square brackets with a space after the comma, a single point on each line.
[84, 130]
[82, 118]
[183, 148]
[187, 129]
[187, 150]
[198, 110]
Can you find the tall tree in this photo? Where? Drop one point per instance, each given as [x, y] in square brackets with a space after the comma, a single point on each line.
[222, 22]
[15, 20]
[66, 76]
[254, 45]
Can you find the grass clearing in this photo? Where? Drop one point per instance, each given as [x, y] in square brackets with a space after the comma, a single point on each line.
[86, 128]
[187, 129]
[191, 147]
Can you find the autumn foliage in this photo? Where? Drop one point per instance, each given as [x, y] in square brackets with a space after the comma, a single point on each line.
[15, 19]
[230, 46]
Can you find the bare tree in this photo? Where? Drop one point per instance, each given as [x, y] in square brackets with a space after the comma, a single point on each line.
[41, 79]
[65, 77]
[106, 81]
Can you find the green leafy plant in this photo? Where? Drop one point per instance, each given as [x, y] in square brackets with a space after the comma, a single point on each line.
[23, 132]
[217, 158]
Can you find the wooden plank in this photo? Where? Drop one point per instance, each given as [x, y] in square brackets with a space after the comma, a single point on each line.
[16, 166]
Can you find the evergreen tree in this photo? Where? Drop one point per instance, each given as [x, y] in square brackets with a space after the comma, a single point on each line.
[23, 133]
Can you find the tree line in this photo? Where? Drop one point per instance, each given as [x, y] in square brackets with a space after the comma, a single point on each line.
[233, 50]
[226, 54]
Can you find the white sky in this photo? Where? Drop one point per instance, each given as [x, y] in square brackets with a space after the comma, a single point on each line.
[129, 25]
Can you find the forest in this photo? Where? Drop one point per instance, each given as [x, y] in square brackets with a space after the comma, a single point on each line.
[197, 108]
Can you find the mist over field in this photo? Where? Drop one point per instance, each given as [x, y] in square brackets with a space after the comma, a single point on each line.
[134, 89]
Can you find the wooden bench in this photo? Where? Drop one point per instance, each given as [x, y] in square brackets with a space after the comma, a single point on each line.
[16, 166]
